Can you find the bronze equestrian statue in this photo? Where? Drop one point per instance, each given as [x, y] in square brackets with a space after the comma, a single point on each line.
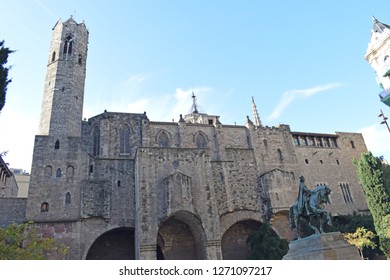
[310, 206]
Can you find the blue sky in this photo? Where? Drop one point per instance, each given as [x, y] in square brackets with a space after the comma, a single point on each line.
[302, 61]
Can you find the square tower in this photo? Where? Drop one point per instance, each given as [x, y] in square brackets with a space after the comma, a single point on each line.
[62, 103]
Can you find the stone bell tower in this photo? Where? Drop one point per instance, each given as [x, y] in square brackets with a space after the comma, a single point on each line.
[62, 103]
[58, 162]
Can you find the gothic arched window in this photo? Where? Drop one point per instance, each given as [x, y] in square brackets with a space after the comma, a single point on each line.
[68, 46]
[68, 198]
[58, 173]
[57, 145]
[124, 140]
[163, 140]
[96, 141]
[201, 140]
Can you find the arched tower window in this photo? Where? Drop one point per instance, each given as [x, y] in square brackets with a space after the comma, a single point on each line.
[80, 60]
[45, 207]
[201, 140]
[96, 141]
[163, 140]
[57, 145]
[48, 171]
[124, 140]
[68, 198]
[68, 46]
[53, 56]
[58, 173]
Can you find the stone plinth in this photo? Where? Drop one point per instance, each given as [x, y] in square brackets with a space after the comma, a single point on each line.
[325, 246]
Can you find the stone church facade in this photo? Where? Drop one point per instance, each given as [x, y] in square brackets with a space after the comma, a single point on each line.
[119, 185]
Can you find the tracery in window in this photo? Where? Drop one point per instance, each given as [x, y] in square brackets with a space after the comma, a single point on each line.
[124, 140]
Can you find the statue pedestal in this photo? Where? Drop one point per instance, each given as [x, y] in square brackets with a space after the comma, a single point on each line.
[325, 246]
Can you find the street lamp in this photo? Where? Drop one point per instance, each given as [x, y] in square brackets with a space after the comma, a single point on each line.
[384, 120]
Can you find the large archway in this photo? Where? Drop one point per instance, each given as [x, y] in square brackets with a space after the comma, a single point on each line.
[234, 240]
[116, 244]
[181, 237]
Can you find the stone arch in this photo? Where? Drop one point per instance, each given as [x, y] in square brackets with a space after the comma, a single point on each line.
[181, 236]
[200, 139]
[234, 240]
[115, 244]
[163, 139]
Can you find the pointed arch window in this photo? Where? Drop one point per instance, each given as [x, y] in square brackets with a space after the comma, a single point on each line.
[163, 140]
[58, 173]
[201, 140]
[124, 140]
[68, 45]
[68, 198]
[57, 145]
[96, 141]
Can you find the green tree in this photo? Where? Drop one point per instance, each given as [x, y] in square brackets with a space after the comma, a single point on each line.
[21, 242]
[361, 238]
[266, 245]
[4, 81]
[370, 173]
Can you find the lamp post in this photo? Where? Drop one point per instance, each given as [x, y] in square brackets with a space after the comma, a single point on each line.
[384, 120]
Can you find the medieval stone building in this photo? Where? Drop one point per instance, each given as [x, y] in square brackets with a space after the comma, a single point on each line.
[119, 185]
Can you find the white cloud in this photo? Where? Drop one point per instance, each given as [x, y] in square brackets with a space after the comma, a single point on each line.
[290, 95]
[136, 78]
[377, 139]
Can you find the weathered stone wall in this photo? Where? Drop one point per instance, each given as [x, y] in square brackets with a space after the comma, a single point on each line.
[334, 167]
[12, 210]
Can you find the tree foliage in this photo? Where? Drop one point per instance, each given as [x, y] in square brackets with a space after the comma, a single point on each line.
[266, 245]
[4, 80]
[21, 242]
[370, 173]
[361, 238]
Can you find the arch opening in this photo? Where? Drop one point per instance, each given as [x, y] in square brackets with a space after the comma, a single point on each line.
[116, 244]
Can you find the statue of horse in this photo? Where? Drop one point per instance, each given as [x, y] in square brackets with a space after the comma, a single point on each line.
[312, 208]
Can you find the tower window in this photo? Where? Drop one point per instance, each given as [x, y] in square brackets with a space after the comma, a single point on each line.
[353, 145]
[57, 145]
[58, 173]
[53, 57]
[80, 59]
[68, 198]
[45, 207]
[68, 46]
